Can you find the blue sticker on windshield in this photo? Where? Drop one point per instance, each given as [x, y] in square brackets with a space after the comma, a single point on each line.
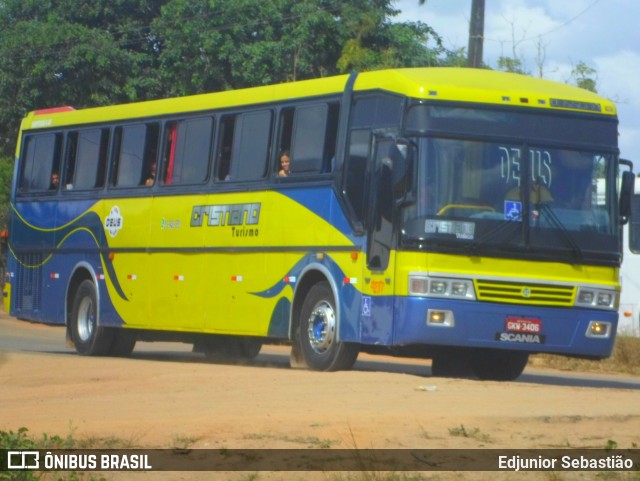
[513, 210]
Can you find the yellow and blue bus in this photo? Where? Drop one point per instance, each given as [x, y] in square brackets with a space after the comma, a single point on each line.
[443, 213]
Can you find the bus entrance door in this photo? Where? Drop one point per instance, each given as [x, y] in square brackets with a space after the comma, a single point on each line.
[378, 292]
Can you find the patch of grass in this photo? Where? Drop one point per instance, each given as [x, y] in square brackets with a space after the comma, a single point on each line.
[310, 441]
[20, 440]
[183, 442]
[469, 433]
[108, 442]
[250, 477]
[380, 476]
[625, 359]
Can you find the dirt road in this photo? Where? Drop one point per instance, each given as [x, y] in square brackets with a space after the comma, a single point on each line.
[166, 396]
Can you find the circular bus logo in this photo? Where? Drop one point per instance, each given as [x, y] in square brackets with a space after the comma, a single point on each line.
[114, 221]
[526, 293]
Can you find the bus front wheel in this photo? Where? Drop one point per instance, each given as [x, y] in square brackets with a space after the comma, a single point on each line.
[88, 337]
[498, 365]
[317, 335]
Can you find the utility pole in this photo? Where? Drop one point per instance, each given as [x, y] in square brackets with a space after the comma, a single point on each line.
[476, 34]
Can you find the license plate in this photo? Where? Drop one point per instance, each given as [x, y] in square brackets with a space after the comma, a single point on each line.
[521, 324]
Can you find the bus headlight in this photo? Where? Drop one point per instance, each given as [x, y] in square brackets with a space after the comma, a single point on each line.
[597, 298]
[441, 287]
[440, 318]
[599, 329]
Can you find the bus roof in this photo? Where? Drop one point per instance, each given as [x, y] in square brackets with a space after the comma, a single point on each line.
[451, 84]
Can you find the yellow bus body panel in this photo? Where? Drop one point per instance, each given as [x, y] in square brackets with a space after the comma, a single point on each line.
[207, 278]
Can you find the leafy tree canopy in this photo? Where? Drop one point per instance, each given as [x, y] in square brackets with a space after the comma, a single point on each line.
[88, 53]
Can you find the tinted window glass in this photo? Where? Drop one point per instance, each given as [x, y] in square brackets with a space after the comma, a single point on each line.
[135, 155]
[86, 159]
[309, 138]
[227, 127]
[187, 150]
[251, 144]
[41, 163]
[356, 169]
[380, 111]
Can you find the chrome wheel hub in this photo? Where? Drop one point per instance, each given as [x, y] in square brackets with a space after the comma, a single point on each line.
[322, 327]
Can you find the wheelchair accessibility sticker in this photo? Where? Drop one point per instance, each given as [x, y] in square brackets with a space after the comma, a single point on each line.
[513, 210]
[366, 306]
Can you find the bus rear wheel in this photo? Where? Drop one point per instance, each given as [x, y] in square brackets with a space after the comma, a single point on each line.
[317, 335]
[88, 337]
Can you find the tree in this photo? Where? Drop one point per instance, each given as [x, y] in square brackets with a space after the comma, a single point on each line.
[91, 53]
[584, 76]
[237, 44]
[70, 54]
[511, 64]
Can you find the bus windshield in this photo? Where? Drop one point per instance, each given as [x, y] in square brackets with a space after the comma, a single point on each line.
[471, 197]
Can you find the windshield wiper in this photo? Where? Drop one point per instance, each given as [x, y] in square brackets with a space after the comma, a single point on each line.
[557, 223]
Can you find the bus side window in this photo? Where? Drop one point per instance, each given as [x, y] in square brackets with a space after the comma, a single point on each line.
[227, 127]
[41, 163]
[356, 172]
[135, 153]
[187, 151]
[251, 146]
[309, 132]
[285, 134]
[331, 137]
[86, 159]
[169, 152]
[309, 127]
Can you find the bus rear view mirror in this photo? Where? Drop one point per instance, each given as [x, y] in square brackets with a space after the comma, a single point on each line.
[626, 192]
[402, 173]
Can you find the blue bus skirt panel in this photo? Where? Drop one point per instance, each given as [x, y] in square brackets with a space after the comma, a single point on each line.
[484, 324]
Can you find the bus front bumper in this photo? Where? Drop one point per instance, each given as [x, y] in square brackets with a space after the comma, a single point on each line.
[569, 331]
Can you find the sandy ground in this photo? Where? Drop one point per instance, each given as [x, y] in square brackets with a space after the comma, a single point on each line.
[165, 396]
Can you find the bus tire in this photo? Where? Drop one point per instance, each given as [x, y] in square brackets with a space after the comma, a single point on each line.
[88, 337]
[453, 363]
[317, 335]
[123, 343]
[498, 364]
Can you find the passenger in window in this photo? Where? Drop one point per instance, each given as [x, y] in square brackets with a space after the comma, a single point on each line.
[285, 164]
[152, 174]
[55, 181]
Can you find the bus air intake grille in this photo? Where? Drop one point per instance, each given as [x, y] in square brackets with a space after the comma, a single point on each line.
[525, 293]
[29, 283]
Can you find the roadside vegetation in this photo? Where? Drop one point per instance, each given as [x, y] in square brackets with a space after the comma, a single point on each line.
[21, 440]
[624, 360]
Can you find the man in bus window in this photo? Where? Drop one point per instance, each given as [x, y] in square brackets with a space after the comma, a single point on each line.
[55, 181]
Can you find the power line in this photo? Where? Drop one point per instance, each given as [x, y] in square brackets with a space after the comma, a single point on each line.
[554, 29]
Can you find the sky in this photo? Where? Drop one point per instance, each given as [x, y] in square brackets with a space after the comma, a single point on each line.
[603, 34]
